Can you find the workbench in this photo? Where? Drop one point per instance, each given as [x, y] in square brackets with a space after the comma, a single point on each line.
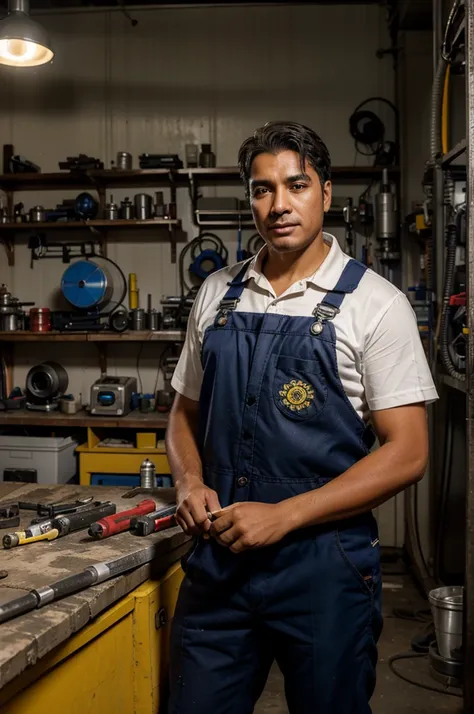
[104, 649]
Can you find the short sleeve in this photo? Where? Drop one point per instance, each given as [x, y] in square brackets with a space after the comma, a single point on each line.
[395, 370]
[187, 377]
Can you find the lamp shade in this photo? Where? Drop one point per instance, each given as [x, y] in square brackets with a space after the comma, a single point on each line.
[23, 42]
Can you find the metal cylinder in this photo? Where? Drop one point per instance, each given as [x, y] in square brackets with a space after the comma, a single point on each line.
[124, 161]
[143, 206]
[138, 319]
[126, 209]
[147, 474]
[40, 319]
[153, 320]
[385, 215]
[447, 608]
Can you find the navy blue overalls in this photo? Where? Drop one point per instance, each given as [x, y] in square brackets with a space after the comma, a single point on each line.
[275, 422]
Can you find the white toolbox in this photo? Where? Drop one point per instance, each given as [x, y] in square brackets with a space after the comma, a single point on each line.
[52, 457]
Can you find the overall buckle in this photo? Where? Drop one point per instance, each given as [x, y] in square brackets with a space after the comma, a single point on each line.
[322, 312]
[225, 307]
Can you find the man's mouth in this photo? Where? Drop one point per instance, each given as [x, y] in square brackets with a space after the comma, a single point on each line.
[282, 229]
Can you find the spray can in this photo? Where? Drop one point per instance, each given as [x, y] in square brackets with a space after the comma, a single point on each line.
[147, 474]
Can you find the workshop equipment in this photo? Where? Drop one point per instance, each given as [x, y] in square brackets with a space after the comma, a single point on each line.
[207, 159]
[137, 319]
[96, 289]
[446, 657]
[86, 206]
[147, 474]
[154, 522]
[159, 206]
[10, 516]
[37, 214]
[20, 165]
[12, 317]
[119, 320]
[120, 522]
[153, 317]
[83, 518]
[12, 540]
[126, 209]
[208, 254]
[51, 510]
[386, 221]
[192, 156]
[81, 163]
[160, 161]
[124, 161]
[45, 384]
[112, 210]
[51, 459]
[92, 575]
[143, 206]
[132, 291]
[40, 319]
[112, 395]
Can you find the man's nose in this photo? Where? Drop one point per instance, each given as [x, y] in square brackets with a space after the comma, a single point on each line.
[281, 202]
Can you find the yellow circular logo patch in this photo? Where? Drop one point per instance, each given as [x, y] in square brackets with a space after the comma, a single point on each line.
[297, 395]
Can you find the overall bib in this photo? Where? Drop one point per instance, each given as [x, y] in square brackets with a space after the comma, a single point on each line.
[275, 422]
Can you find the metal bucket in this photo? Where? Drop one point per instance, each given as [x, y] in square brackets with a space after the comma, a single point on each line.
[447, 608]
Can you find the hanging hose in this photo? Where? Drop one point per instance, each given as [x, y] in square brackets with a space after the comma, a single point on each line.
[445, 112]
[436, 146]
[451, 244]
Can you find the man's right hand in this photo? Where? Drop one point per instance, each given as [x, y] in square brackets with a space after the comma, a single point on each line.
[194, 503]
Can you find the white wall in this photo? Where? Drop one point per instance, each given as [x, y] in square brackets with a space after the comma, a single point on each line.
[182, 75]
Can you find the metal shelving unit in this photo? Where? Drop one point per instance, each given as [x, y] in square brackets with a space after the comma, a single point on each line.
[469, 576]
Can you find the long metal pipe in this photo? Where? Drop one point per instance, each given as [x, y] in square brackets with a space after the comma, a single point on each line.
[185, 6]
[19, 6]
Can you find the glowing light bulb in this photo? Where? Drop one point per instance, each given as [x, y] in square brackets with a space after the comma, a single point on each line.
[20, 50]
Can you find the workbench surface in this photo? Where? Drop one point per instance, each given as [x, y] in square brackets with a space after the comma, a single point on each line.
[29, 637]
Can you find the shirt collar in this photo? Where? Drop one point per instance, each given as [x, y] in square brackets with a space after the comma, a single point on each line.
[325, 277]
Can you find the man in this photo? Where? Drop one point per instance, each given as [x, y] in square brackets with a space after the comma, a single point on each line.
[290, 359]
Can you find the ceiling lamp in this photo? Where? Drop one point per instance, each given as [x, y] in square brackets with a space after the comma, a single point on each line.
[23, 42]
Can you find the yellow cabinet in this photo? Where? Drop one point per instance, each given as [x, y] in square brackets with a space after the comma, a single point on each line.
[118, 664]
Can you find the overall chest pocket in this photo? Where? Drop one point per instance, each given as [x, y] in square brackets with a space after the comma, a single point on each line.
[298, 388]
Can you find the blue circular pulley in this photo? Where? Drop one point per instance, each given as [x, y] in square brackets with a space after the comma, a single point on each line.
[85, 285]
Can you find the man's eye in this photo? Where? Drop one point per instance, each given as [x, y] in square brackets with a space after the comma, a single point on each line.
[298, 186]
[260, 190]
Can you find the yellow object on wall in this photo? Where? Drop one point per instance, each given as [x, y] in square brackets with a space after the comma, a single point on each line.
[116, 665]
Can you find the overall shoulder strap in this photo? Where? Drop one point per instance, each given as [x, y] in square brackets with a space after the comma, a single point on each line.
[232, 296]
[330, 306]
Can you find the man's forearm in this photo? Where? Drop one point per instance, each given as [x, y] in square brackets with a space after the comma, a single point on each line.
[181, 449]
[364, 486]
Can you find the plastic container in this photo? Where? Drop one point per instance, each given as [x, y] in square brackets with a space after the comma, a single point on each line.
[52, 457]
[447, 608]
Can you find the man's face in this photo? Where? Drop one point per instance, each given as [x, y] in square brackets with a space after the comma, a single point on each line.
[287, 205]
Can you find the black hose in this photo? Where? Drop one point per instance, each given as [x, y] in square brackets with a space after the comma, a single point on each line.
[451, 243]
[416, 655]
[444, 493]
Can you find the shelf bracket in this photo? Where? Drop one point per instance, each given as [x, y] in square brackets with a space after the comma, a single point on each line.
[102, 350]
[9, 245]
[173, 241]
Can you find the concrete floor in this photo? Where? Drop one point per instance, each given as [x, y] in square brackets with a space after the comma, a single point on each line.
[392, 695]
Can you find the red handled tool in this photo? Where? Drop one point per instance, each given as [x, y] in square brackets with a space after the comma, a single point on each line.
[154, 522]
[119, 522]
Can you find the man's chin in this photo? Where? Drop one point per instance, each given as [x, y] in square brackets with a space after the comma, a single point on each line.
[286, 244]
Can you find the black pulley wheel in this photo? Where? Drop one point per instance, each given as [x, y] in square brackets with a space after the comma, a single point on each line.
[45, 382]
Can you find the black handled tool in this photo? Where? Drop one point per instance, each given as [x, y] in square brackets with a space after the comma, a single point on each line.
[154, 522]
[84, 518]
[10, 516]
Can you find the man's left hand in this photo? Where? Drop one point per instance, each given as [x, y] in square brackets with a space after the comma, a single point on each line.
[244, 526]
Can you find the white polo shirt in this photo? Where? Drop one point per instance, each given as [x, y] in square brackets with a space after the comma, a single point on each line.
[380, 357]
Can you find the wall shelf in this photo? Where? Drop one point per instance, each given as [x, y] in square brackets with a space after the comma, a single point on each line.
[458, 384]
[82, 419]
[66, 225]
[129, 336]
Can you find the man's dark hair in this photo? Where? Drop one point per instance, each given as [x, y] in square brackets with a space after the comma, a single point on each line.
[276, 136]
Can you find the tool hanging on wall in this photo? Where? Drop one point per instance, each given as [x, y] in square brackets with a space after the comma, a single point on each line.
[208, 254]
[42, 250]
[368, 130]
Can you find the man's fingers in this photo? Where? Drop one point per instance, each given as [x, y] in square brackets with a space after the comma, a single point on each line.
[184, 515]
[228, 537]
[212, 501]
[182, 524]
[221, 524]
[199, 515]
